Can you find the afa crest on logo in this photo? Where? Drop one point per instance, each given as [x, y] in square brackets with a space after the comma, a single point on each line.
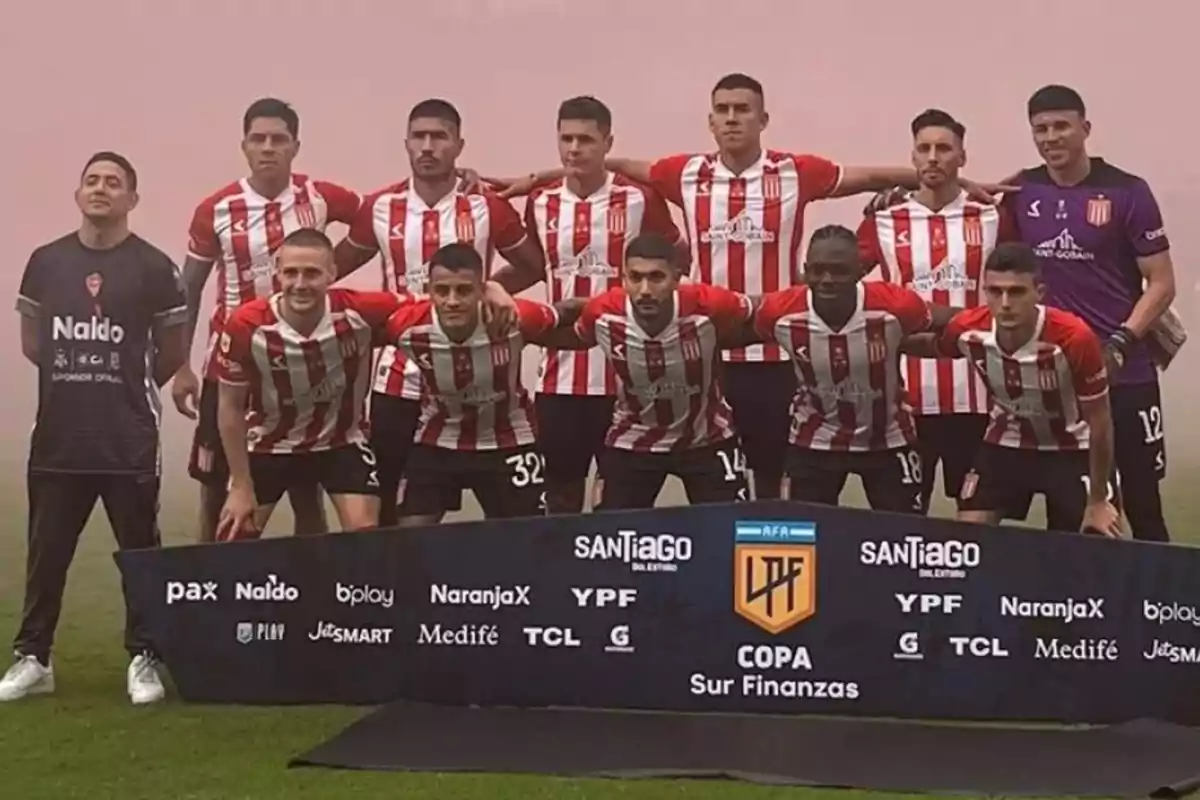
[775, 573]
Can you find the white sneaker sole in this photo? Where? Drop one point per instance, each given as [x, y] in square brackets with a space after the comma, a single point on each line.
[45, 686]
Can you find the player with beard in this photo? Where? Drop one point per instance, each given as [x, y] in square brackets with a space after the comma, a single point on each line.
[744, 211]
[237, 229]
[1105, 257]
[299, 362]
[476, 429]
[1051, 428]
[663, 340]
[584, 222]
[102, 318]
[406, 223]
[851, 413]
[935, 242]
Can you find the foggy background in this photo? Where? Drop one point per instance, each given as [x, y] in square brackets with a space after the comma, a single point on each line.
[165, 82]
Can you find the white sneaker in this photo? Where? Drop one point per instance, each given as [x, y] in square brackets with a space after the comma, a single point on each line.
[27, 676]
[143, 681]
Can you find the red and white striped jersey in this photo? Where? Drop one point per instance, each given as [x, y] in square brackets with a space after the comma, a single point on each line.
[940, 255]
[306, 392]
[584, 239]
[850, 395]
[669, 393]
[473, 397]
[239, 230]
[1038, 388]
[406, 231]
[745, 230]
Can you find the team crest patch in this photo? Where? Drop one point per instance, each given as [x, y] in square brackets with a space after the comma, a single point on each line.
[226, 343]
[94, 282]
[1099, 211]
[306, 215]
[973, 232]
[970, 483]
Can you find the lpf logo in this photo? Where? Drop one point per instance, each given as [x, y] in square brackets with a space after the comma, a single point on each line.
[775, 573]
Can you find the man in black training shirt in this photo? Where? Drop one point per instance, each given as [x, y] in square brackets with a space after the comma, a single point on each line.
[102, 318]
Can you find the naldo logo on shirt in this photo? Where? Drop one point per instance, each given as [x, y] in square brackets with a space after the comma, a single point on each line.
[96, 329]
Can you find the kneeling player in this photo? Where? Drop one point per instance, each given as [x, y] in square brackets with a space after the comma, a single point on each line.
[664, 342]
[851, 413]
[300, 362]
[476, 428]
[1051, 427]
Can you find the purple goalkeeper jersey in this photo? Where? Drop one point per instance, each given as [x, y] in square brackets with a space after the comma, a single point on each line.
[1088, 238]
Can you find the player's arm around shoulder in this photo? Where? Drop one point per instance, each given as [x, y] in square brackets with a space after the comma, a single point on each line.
[574, 325]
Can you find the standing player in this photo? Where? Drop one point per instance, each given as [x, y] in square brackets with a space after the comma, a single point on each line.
[300, 362]
[1105, 256]
[1051, 429]
[935, 242]
[476, 428]
[102, 318]
[662, 339]
[583, 221]
[744, 211]
[851, 413]
[406, 223]
[237, 229]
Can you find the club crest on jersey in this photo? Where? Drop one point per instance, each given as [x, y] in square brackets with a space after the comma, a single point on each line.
[616, 221]
[970, 482]
[772, 187]
[1047, 380]
[94, 282]
[501, 354]
[306, 214]
[1099, 211]
[348, 347]
[876, 350]
[226, 343]
[973, 232]
[464, 226]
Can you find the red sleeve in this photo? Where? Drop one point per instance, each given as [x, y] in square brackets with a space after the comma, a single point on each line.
[725, 307]
[666, 176]
[774, 306]
[343, 203]
[202, 238]
[534, 319]
[362, 225]
[658, 217]
[506, 227]
[869, 251]
[407, 316]
[908, 307]
[819, 177]
[947, 343]
[585, 326]
[1086, 358]
[530, 217]
[376, 308]
[235, 364]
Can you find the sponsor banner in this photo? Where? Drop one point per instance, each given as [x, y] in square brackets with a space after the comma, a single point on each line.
[769, 607]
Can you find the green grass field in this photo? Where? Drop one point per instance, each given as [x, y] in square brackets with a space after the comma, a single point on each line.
[86, 741]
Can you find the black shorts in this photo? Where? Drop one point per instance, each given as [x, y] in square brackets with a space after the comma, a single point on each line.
[891, 478]
[393, 426]
[571, 431]
[1009, 477]
[349, 469]
[712, 474]
[950, 440]
[760, 395]
[207, 462]
[1141, 446]
[507, 483]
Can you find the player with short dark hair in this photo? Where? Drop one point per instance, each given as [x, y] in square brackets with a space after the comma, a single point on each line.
[406, 223]
[237, 229]
[851, 414]
[744, 211]
[295, 368]
[103, 319]
[1105, 257]
[583, 221]
[935, 241]
[663, 340]
[1051, 427]
[476, 429]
